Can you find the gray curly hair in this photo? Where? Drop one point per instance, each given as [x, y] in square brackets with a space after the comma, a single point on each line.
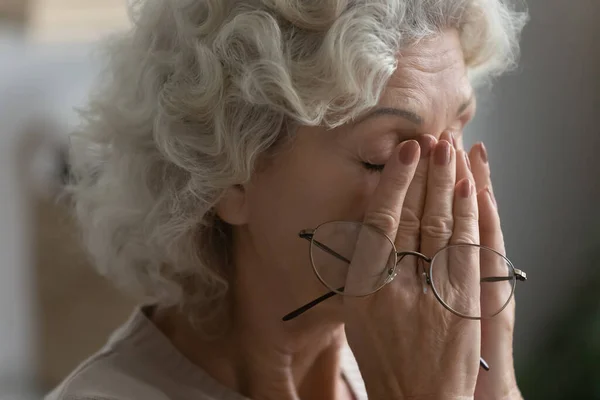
[197, 90]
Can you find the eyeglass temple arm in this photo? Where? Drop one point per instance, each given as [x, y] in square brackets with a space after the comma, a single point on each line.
[308, 235]
[520, 275]
[308, 306]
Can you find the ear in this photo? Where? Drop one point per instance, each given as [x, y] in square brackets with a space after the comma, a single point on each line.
[232, 207]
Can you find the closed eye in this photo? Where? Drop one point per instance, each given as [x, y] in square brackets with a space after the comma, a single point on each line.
[373, 167]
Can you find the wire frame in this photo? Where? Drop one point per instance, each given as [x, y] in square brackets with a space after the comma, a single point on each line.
[510, 280]
[389, 272]
[337, 252]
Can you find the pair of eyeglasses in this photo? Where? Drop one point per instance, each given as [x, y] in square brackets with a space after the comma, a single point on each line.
[332, 247]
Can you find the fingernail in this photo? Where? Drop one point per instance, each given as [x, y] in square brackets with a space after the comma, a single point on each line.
[468, 161]
[491, 195]
[408, 152]
[427, 142]
[483, 153]
[442, 153]
[465, 188]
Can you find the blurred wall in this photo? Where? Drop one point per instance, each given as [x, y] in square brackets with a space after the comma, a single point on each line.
[54, 309]
[541, 127]
[34, 81]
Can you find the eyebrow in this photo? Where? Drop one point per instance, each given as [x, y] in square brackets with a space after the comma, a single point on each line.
[408, 115]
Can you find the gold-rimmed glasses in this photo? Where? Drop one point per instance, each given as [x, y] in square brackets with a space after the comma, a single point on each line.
[332, 247]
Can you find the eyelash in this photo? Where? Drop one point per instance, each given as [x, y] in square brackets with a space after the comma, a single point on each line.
[373, 167]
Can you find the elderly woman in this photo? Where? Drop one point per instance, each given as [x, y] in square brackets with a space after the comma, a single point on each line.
[284, 185]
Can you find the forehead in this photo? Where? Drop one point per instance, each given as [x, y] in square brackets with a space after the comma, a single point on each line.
[431, 79]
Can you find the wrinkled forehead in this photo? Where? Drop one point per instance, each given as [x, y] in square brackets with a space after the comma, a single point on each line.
[431, 80]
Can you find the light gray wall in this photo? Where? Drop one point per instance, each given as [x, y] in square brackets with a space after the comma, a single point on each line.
[541, 125]
[34, 81]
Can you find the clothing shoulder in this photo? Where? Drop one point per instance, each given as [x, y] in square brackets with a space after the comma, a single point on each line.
[100, 378]
[139, 363]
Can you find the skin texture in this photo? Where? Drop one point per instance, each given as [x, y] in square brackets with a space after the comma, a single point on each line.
[406, 344]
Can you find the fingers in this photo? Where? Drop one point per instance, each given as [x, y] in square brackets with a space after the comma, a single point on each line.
[463, 166]
[466, 224]
[373, 259]
[465, 213]
[463, 261]
[385, 209]
[437, 222]
[480, 167]
[489, 224]
[462, 286]
[495, 294]
[490, 230]
[496, 345]
[408, 235]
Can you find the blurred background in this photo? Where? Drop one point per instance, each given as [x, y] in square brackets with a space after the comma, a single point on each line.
[540, 124]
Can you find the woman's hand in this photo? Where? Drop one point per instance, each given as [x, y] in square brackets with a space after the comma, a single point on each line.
[496, 333]
[406, 344]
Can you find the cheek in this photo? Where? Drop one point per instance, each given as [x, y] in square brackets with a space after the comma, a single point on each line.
[293, 199]
[304, 201]
[288, 201]
[338, 197]
[338, 190]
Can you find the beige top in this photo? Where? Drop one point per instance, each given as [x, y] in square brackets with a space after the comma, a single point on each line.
[140, 363]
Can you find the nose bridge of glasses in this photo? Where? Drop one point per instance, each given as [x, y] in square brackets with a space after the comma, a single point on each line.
[420, 269]
[401, 254]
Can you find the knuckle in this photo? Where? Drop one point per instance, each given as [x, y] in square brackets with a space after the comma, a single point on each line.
[443, 184]
[384, 220]
[465, 238]
[466, 229]
[401, 180]
[410, 223]
[437, 226]
[467, 216]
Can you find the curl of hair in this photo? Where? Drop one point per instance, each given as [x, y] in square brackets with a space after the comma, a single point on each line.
[198, 89]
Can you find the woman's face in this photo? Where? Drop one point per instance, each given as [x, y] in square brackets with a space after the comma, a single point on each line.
[330, 175]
